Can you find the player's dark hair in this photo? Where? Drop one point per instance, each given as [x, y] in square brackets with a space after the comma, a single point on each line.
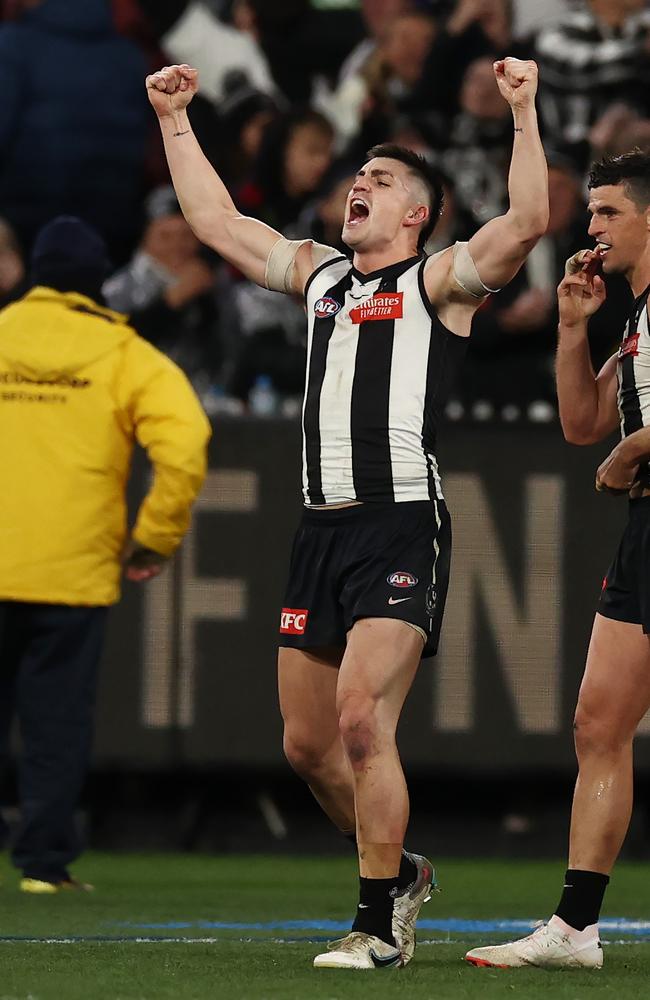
[428, 174]
[630, 169]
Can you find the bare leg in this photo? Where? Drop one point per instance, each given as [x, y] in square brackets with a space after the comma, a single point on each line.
[614, 697]
[378, 668]
[307, 682]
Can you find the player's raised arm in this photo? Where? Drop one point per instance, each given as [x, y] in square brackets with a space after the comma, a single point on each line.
[501, 246]
[258, 251]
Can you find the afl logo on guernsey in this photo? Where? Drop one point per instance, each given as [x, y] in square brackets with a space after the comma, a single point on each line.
[326, 307]
[402, 579]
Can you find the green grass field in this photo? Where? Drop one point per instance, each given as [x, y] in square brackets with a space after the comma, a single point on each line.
[176, 899]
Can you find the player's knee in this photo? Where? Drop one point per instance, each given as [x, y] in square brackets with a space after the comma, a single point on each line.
[597, 733]
[303, 753]
[358, 729]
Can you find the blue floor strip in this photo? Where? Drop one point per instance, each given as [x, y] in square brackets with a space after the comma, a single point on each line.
[618, 925]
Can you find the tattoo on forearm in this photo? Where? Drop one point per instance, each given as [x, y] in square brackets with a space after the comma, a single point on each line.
[175, 134]
[519, 130]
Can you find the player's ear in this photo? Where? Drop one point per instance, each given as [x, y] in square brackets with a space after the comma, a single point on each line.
[416, 216]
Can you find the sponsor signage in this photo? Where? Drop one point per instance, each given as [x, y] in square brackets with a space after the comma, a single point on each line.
[382, 305]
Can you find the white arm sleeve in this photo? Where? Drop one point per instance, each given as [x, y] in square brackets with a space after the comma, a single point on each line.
[280, 264]
[466, 274]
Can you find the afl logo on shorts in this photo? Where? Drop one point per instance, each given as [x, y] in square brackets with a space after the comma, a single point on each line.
[326, 307]
[402, 579]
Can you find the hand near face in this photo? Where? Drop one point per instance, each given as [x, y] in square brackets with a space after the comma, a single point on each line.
[581, 292]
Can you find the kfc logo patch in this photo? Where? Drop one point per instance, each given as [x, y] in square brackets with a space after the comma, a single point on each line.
[382, 305]
[402, 579]
[630, 346]
[293, 621]
[326, 307]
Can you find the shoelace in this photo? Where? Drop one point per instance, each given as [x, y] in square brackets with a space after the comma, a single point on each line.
[348, 943]
[544, 935]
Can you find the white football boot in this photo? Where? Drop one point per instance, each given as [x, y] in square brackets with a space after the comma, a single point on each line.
[408, 903]
[359, 951]
[554, 945]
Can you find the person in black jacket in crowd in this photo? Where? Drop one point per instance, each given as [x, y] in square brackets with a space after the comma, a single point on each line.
[60, 154]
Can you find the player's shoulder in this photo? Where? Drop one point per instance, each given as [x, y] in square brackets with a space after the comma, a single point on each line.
[436, 269]
[319, 258]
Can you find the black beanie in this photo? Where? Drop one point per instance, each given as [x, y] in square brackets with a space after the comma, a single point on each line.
[71, 256]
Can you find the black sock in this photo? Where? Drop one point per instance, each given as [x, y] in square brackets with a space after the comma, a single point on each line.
[408, 871]
[375, 911]
[582, 898]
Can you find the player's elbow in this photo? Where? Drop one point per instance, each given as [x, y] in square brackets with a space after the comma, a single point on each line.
[579, 435]
[204, 226]
[530, 225]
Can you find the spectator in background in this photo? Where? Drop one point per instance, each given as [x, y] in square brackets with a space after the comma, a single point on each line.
[79, 388]
[597, 55]
[168, 289]
[244, 115]
[13, 279]
[323, 217]
[300, 42]
[345, 102]
[390, 80]
[453, 225]
[188, 31]
[478, 149]
[618, 130]
[60, 154]
[474, 29]
[528, 16]
[295, 154]
[377, 15]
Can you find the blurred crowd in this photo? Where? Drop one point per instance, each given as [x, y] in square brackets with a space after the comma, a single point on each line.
[292, 94]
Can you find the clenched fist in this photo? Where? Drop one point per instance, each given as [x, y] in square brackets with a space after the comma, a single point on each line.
[517, 81]
[171, 89]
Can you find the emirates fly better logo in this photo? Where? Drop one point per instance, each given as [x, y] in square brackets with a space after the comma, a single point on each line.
[382, 305]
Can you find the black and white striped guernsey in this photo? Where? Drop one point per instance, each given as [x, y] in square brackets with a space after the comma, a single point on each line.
[379, 366]
[633, 371]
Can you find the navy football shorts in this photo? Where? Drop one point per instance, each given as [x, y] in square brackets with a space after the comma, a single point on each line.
[374, 560]
[626, 589]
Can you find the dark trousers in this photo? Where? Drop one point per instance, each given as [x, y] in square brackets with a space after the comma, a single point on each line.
[49, 657]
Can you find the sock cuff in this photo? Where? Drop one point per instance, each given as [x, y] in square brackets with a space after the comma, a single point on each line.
[581, 874]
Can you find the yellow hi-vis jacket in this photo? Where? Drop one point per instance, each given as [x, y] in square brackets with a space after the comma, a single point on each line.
[78, 387]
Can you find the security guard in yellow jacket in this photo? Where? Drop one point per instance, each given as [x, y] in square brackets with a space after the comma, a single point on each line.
[78, 388]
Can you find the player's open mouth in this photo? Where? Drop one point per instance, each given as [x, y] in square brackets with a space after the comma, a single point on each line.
[602, 249]
[358, 212]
